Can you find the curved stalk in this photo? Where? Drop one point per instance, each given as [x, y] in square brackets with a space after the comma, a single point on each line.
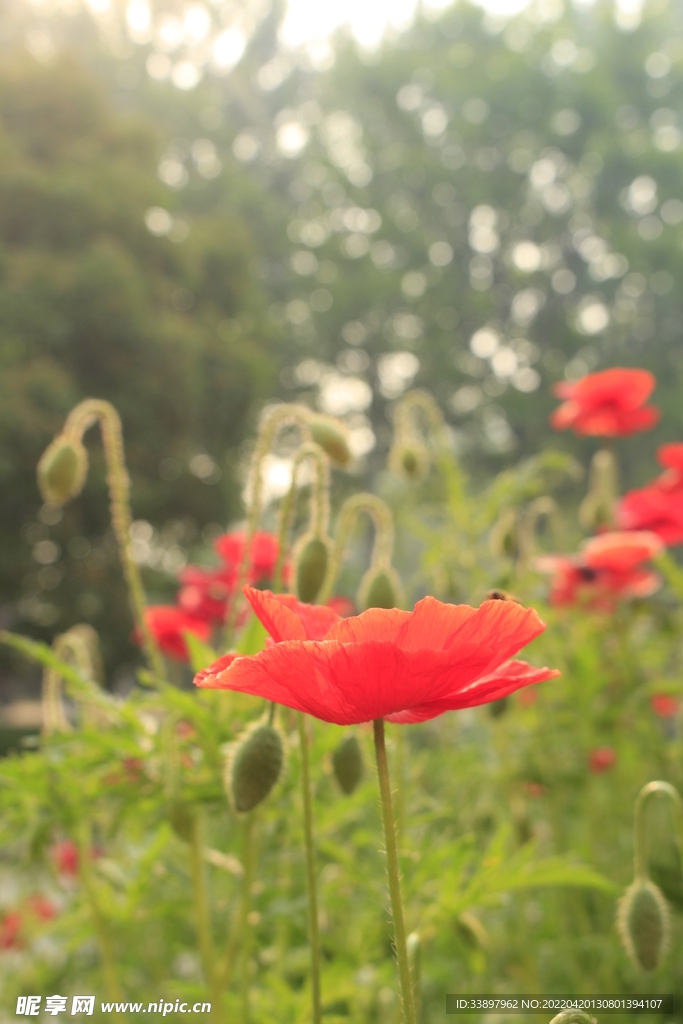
[640, 823]
[383, 547]
[78, 421]
[394, 874]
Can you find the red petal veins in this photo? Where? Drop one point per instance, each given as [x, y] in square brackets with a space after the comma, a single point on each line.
[281, 621]
[352, 683]
[208, 677]
[433, 625]
[505, 626]
[285, 618]
[375, 624]
[511, 676]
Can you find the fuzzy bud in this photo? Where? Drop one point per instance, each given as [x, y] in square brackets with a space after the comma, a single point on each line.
[504, 538]
[182, 820]
[409, 460]
[311, 560]
[347, 761]
[379, 588]
[61, 470]
[329, 434]
[254, 766]
[643, 923]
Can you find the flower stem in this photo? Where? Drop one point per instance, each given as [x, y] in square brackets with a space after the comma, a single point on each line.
[236, 940]
[310, 867]
[203, 919]
[394, 873]
[111, 979]
[79, 420]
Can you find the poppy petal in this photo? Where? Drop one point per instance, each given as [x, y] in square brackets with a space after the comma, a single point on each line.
[511, 676]
[374, 624]
[351, 683]
[433, 624]
[281, 622]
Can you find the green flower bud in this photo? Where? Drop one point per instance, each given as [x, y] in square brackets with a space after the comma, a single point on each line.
[409, 460]
[182, 819]
[329, 434]
[498, 707]
[254, 766]
[311, 559]
[504, 538]
[643, 923]
[61, 470]
[347, 761]
[379, 588]
[471, 930]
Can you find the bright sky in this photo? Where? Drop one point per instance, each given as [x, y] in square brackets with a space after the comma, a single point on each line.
[308, 20]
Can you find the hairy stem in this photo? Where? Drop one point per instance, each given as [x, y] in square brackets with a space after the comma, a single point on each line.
[314, 935]
[79, 420]
[111, 980]
[394, 874]
[203, 920]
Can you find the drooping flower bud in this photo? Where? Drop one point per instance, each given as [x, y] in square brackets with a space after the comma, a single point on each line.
[61, 470]
[409, 459]
[347, 761]
[182, 819]
[643, 923]
[379, 588]
[254, 766]
[504, 538]
[311, 558]
[596, 511]
[329, 434]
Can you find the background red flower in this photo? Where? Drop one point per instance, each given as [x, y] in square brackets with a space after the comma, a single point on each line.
[659, 505]
[664, 705]
[607, 404]
[168, 624]
[601, 760]
[608, 567]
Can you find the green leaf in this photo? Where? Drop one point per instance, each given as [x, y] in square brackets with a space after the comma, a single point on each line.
[252, 638]
[82, 689]
[201, 654]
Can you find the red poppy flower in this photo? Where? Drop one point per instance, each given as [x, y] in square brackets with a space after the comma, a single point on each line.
[10, 930]
[41, 908]
[343, 606]
[262, 556]
[168, 624]
[658, 506]
[66, 858]
[608, 567]
[601, 760]
[664, 705]
[384, 663]
[607, 404]
[205, 593]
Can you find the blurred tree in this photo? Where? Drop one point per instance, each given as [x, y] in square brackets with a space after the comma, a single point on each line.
[105, 292]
